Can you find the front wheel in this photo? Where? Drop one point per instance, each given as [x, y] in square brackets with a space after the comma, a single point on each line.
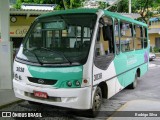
[97, 101]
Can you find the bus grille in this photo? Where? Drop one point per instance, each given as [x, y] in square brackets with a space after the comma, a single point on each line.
[42, 81]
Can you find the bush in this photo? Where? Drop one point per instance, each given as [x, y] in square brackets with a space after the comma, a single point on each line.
[156, 49]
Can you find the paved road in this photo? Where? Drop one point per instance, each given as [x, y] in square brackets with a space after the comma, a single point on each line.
[148, 88]
[156, 61]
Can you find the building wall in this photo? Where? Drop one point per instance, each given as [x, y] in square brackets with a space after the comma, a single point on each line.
[21, 26]
[22, 20]
[155, 25]
[152, 38]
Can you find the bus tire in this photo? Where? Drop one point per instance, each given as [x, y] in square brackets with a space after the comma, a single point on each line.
[133, 85]
[97, 101]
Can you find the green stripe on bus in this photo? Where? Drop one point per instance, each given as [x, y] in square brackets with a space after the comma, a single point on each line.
[61, 74]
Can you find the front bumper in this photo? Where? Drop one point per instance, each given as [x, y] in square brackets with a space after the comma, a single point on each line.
[76, 98]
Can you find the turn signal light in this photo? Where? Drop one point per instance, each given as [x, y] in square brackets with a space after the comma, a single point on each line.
[85, 81]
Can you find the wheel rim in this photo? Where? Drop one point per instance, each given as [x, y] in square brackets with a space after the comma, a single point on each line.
[97, 101]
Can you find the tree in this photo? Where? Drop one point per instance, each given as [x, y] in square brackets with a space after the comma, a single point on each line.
[70, 4]
[145, 8]
[18, 4]
[102, 5]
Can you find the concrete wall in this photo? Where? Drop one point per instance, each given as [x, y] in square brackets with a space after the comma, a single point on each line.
[152, 38]
[22, 21]
[155, 25]
[5, 47]
[21, 26]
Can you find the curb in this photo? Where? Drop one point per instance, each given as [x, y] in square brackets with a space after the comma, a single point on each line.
[10, 103]
[123, 106]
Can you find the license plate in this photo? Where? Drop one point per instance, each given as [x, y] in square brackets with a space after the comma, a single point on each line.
[40, 94]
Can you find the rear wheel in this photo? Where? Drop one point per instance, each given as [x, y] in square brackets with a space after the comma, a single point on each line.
[133, 85]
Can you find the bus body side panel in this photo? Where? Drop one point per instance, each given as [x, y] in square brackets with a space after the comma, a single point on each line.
[121, 71]
[131, 62]
[109, 76]
[144, 69]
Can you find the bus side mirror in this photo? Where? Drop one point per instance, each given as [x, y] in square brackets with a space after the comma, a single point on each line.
[107, 35]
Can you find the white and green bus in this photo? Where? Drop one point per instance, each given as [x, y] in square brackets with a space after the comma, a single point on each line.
[75, 58]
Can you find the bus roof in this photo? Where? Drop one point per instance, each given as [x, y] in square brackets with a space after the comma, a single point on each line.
[121, 17]
[69, 11]
[94, 11]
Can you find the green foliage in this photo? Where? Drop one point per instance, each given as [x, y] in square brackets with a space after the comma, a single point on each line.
[156, 49]
[102, 5]
[122, 6]
[144, 7]
[18, 4]
[71, 4]
[58, 7]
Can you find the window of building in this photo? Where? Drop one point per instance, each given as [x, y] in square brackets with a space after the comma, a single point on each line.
[157, 42]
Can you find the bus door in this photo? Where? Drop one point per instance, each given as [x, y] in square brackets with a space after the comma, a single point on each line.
[104, 54]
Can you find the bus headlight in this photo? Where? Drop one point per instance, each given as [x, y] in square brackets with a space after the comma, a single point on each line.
[77, 83]
[69, 83]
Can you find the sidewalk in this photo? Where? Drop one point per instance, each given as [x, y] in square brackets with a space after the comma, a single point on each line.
[7, 97]
[138, 110]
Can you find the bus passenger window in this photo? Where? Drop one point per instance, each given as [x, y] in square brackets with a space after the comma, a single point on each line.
[127, 43]
[99, 49]
[116, 35]
[138, 37]
[145, 37]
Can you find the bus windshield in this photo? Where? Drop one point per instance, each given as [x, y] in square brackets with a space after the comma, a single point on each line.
[59, 39]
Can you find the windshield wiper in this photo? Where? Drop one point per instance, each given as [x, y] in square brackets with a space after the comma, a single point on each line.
[59, 52]
[41, 63]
